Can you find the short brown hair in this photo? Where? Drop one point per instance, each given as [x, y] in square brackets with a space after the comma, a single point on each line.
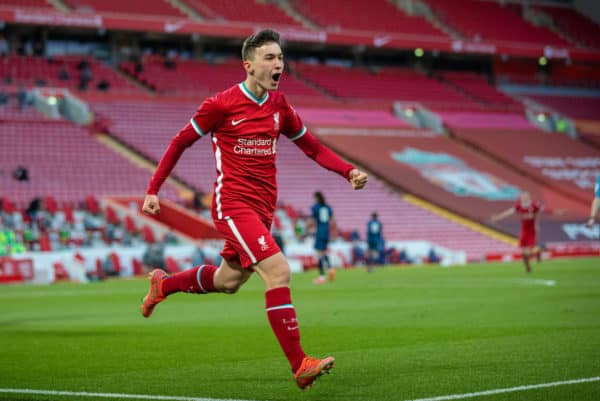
[255, 41]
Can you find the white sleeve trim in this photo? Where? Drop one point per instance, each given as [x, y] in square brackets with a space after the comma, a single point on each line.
[300, 134]
[196, 127]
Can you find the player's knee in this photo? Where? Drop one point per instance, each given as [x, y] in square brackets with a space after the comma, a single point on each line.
[231, 287]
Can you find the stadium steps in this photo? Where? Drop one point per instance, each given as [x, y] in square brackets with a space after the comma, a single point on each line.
[296, 16]
[187, 10]
[424, 10]
[133, 80]
[142, 161]
[59, 5]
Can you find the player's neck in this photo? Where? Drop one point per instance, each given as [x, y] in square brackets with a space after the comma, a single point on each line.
[253, 86]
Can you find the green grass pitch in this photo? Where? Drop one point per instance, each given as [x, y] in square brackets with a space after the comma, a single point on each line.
[397, 334]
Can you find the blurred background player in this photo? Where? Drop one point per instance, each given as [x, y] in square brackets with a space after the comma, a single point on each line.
[374, 241]
[595, 204]
[322, 219]
[248, 114]
[528, 211]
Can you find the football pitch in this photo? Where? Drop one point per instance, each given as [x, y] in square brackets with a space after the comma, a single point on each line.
[478, 332]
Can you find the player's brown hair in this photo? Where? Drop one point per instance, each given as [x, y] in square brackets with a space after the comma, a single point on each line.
[255, 41]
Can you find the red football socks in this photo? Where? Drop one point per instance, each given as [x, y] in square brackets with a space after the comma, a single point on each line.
[198, 280]
[282, 317]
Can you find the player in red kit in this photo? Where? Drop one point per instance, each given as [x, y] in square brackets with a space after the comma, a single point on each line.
[244, 123]
[528, 211]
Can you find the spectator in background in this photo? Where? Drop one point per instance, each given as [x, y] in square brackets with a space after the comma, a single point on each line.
[63, 74]
[374, 241]
[85, 77]
[4, 50]
[154, 257]
[322, 222]
[432, 256]
[22, 98]
[595, 204]
[21, 173]
[103, 85]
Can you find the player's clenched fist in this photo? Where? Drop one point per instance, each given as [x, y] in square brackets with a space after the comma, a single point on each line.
[151, 205]
[358, 179]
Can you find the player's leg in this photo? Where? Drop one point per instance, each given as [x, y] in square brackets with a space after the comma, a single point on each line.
[227, 278]
[526, 255]
[275, 272]
[319, 247]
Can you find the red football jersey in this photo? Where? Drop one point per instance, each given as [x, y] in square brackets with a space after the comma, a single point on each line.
[528, 213]
[244, 132]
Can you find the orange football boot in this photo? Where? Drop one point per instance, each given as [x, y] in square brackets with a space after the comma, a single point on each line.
[310, 369]
[154, 295]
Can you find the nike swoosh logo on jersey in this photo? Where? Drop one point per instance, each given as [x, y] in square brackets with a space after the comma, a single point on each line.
[234, 122]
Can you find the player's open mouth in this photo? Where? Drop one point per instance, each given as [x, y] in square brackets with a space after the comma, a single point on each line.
[276, 76]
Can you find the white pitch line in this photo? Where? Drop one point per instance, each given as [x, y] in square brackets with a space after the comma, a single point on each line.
[508, 390]
[110, 395]
[537, 281]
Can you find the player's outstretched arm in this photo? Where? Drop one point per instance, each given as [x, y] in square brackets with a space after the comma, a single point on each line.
[502, 215]
[151, 204]
[358, 178]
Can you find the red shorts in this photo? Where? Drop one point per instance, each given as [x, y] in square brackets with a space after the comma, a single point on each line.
[248, 238]
[527, 239]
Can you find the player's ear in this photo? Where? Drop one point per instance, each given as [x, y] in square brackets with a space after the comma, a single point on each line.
[248, 67]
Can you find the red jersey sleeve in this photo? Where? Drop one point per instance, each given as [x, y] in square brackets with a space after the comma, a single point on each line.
[292, 125]
[208, 116]
[204, 121]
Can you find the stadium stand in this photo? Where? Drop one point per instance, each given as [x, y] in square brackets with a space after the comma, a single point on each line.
[27, 3]
[576, 25]
[45, 72]
[64, 161]
[374, 16]
[200, 79]
[149, 7]
[561, 163]
[387, 84]
[494, 21]
[241, 10]
[579, 107]
[444, 171]
[349, 107]
[477, 86]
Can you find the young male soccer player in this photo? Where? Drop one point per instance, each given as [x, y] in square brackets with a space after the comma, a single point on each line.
[244, 124]
[595, 204]
[528, 211]
[322, 215]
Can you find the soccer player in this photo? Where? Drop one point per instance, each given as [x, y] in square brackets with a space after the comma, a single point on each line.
[374, 240]
[244, 124]
[322, 215]
[528, 211]
[595, 204]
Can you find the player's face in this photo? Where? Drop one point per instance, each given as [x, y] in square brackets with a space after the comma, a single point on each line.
[266, 67]
[525, 198]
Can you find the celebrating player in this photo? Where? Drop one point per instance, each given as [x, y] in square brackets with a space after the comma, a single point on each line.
[244, 124]
[528, 211]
